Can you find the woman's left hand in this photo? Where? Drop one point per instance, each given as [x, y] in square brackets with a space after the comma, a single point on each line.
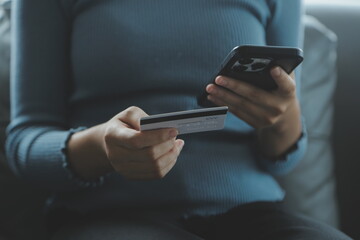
[275, 114]
[257, 107]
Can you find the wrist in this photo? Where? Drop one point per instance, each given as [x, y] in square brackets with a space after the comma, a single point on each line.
[289, 121]
[86, 154]
[278, 138]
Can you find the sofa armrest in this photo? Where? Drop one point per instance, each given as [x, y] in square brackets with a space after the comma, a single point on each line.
[343, 17]
[4, 81]
[310, 188]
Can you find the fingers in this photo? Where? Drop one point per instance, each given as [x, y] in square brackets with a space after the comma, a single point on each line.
[125, 131]
[249, 112]
[241, 88]
[132, 139]
[140, 154]
[155, 169]
[286, 84]
[168, 161]
[286, 87]
[156, 151]
[255, 106]
[146, 154]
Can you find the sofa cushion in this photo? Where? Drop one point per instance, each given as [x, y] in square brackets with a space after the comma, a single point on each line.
[4, 80]
[310, 188]
[343, 17]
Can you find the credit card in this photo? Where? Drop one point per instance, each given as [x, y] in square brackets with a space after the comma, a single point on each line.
[191, 121]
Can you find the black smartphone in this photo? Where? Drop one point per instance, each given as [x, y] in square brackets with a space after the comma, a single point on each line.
[252, 64]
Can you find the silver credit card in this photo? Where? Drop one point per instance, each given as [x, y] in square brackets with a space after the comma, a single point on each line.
[191, 121]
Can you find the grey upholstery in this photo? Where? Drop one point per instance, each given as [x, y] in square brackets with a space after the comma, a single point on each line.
[4, 78]
[310, 187]
[343, 17]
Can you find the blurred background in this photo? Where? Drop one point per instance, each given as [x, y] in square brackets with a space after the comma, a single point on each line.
[325, 186]
[343, 18]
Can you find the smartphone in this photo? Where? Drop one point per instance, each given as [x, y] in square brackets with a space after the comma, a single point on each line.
[252, 64]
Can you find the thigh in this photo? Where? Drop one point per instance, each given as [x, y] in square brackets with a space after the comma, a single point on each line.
[129, 228]
[262, 221]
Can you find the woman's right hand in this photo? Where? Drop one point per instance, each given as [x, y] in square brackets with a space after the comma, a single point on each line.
[119, 145]
[139, 154]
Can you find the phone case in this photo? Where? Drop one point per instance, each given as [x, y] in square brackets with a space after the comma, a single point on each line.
[252, 64]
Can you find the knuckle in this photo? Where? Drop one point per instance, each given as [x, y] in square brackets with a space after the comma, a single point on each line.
[132, 109]
[291, 89]
[177, 152]
[129, 112]
[174, 152]
[269, 120]
[108, 135]
[278, 110]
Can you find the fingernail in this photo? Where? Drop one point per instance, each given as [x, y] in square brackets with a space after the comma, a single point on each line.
[181, 144]
[221, 81]
[210, 88]
[173, 133]
[276, 72]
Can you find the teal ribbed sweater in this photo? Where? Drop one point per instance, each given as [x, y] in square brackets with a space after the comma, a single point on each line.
[77, 63]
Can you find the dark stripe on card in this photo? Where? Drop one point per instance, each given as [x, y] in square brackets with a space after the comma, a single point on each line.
[182, 116]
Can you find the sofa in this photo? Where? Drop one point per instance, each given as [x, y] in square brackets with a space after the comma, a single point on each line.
[323, 186]
[343, 18]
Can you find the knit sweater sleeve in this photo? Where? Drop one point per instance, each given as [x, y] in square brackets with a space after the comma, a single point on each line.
[285, 29]
[40, 83]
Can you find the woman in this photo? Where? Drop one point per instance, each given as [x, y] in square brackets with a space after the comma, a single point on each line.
[79, 63]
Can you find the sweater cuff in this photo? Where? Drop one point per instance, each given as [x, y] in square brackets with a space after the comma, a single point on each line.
[66, 165]
[287, 161]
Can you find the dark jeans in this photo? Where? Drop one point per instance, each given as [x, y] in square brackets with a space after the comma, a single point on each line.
[261, 220]
[255, 221]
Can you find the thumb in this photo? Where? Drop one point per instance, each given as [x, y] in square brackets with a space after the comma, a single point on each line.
[286, 84]
[131, 116]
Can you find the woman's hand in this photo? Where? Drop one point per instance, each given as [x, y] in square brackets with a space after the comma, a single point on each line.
[275, 114]
[119, 145]
[257, 107]
[140, 155]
